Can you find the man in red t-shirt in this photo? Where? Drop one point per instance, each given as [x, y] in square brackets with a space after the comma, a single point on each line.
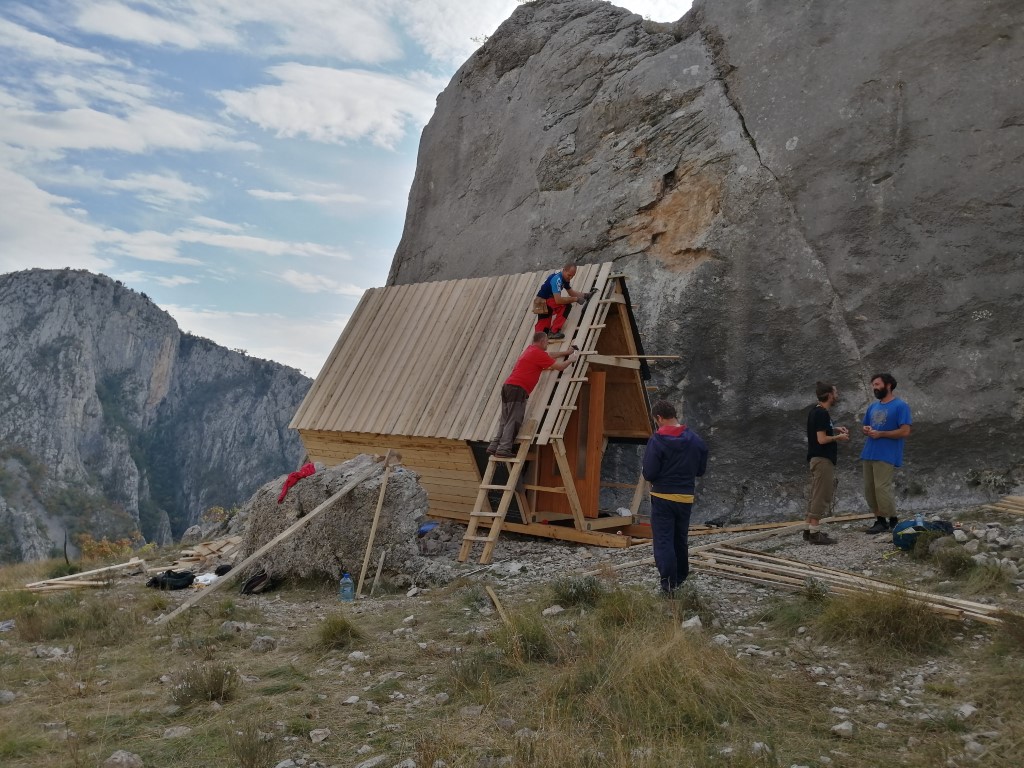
[518, 386]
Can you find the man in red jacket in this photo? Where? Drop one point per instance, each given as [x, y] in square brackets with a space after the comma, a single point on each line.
[518, 386]
[673, 460]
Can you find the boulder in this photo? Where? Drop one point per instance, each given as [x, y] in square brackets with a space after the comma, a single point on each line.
[790, 197]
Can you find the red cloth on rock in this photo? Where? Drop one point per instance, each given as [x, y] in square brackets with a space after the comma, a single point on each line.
[304, 471]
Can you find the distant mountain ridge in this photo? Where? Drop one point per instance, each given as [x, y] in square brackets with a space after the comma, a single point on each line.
[113, 420]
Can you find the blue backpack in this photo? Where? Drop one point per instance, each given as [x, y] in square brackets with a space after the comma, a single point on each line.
[905, 534]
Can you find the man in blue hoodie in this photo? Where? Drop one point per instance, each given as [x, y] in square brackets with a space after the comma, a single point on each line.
[673, 460]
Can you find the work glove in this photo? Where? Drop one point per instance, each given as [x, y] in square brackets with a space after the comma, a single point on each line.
[582, 300]
[574, 356]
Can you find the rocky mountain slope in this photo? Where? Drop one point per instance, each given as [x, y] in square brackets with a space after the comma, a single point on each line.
[797, 192]
[112, 419]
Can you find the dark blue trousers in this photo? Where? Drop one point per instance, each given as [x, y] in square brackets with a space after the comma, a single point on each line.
[670, 526]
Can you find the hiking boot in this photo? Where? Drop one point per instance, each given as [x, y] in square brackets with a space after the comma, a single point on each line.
[504, 455]
[806, 534]
[555, 336]
[892, 523]
[820, 537]
[880, 526]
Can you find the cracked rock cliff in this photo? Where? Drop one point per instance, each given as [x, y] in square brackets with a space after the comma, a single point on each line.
[796, 191]
[112, 419]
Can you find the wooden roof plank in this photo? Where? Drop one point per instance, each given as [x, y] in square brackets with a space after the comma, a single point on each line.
[475, 357]
[434, 348]
[514, 334]
[457, 376]
[383, 368]
[361, 363]
[312, 405]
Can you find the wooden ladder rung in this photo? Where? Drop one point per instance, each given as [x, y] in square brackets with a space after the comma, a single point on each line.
[477, 538]
[485, 514]
[496, 488]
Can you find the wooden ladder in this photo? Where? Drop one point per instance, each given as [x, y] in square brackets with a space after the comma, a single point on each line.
[481, 511]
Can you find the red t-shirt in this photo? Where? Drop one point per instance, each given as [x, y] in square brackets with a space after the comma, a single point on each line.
[528, 368]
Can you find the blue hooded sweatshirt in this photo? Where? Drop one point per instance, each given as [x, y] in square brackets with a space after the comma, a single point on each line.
[674, 458]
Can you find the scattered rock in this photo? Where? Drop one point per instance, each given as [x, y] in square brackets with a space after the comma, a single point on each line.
[845, 730]
[372, 762]
[965, 711]
[122, 759]
[319, 734]
[351, 700]
[554, 610]
[263, 644]
[694, 623]
[6, 697]
[177, 731]
[472, 711]
[236, 626]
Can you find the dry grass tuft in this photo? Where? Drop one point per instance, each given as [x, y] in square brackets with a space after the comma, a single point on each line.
[526, 639]
[584, 591]
[953, 561]
[252, 747]
[205, 682]
[986, 578]
[885, 621]
[629, 607]
[337, 632]
[658, 682]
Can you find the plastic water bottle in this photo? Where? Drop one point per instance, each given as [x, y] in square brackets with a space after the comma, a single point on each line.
[919, 520]
[346, 590]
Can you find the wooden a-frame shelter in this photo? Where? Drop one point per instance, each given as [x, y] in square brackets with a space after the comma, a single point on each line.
[419, 369]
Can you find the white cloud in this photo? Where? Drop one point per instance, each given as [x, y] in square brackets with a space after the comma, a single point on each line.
[143, 130]
[162, 247]
[301, 342]
[314, 283]
[446, 29]
[323, 198]
[42, 231]
[144, 25]
[343, 30]
[17, 38]
[168, 281]
[337, 105]
[157, 189]
[206, 221]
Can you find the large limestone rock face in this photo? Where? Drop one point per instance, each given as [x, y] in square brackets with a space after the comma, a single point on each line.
[112, 418]
[797, 192]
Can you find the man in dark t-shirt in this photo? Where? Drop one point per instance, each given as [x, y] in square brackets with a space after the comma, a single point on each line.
[822, 454]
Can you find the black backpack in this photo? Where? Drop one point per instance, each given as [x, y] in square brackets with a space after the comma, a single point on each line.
[172, 580]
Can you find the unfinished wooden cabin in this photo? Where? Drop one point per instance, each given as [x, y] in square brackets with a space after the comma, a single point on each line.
[419, 369]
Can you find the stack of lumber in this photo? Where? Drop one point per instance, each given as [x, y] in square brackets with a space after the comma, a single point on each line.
[750, 565]
[1012, 504]
[86, 579]
[204, 554]
[699, 529]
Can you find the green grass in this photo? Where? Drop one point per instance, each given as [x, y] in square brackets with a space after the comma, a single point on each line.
[337, 633]
[582, 591]
[884, 622]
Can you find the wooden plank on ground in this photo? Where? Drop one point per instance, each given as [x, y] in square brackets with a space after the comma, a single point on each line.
[135, 562]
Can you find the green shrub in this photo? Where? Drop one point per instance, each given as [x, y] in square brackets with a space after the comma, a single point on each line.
[986, 578]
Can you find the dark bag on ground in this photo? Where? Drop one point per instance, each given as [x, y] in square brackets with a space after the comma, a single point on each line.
[260, 582]
[172, 580]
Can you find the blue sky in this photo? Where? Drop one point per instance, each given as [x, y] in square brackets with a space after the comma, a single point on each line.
[245, 163]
